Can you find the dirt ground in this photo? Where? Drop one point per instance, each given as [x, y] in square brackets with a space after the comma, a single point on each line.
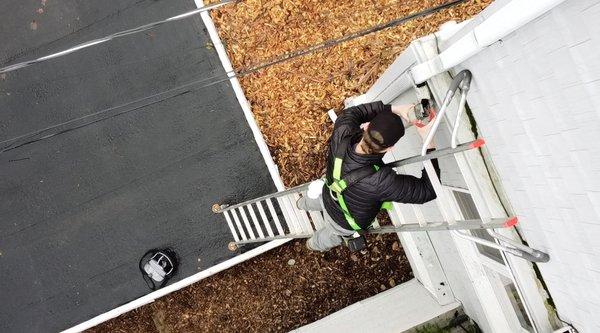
[290, 286]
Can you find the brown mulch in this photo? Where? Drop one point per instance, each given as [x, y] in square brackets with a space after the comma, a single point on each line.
[289, 102]
[281, 290]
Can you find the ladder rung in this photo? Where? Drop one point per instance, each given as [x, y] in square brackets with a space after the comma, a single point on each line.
[255, 221]
[274, 216]
[230, 224]
[246, 223]
[290, 217]
[238, 225]
[265, 221]
[268, 239]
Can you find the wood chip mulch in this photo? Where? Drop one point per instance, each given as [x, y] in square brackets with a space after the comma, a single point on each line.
[290, 100]
[290, 286]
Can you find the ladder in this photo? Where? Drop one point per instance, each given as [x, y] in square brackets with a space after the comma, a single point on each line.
[276, 216]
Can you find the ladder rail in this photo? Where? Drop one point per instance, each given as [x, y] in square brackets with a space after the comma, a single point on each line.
[409, 227]
[399, 163]
[514, 247]
[463, 80]
[294, 189]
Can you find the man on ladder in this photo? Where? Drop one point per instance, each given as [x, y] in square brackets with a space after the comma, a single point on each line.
[357, 186]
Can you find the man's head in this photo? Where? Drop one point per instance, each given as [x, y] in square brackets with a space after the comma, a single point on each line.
[382, 133]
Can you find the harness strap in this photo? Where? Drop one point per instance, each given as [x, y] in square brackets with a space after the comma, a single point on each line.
[339, 184]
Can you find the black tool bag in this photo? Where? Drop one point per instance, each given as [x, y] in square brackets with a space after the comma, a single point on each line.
[158, 266]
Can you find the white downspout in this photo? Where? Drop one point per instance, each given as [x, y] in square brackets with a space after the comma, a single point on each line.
[509, 18]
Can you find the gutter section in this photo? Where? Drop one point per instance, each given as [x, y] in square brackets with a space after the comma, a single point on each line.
[509, 18]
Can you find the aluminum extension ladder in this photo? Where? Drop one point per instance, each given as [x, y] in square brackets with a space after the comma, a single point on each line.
[279, 218]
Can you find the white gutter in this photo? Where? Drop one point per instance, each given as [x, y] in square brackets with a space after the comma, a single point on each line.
[509, 18]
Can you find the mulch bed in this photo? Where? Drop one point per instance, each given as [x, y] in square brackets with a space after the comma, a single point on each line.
[289, 102]
[281, 290]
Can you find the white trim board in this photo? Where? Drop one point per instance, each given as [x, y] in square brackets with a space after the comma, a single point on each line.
[273, 170]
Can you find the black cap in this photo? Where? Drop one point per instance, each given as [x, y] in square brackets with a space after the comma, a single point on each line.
[386, 129]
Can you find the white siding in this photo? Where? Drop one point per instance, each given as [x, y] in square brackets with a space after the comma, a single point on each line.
[536, 98]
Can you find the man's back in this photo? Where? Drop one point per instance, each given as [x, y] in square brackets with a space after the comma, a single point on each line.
[364, 199]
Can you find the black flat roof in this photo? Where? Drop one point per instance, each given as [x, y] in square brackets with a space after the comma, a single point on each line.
[79, 209]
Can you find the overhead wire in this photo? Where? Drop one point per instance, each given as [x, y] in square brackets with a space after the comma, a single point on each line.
[223, 77]
[115, 35]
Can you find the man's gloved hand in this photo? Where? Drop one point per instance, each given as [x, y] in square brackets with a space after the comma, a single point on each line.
[424, 130]
[404, 111]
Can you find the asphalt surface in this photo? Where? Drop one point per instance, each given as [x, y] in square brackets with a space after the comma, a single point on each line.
[80, 207]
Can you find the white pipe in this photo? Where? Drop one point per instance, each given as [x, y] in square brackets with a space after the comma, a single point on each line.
[509, 18]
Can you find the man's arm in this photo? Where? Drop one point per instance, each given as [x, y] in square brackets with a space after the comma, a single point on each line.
[409, 189]
[353, 117]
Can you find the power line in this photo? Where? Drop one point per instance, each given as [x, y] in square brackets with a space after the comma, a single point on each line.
[221, 78]
[333, 42]
[110, 37]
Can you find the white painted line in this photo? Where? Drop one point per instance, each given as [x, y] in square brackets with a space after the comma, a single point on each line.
[151, 297]
[239, 93]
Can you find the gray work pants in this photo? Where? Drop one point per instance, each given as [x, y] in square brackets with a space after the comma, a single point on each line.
[329, 236]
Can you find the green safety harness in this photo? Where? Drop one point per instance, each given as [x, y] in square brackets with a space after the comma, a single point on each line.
[338, 184]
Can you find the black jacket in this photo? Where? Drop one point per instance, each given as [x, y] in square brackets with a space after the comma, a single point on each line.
[364, 198]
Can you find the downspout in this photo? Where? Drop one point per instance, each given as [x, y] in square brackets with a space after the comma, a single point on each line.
[509, 18]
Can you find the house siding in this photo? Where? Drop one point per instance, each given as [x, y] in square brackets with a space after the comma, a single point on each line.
[535, 97]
